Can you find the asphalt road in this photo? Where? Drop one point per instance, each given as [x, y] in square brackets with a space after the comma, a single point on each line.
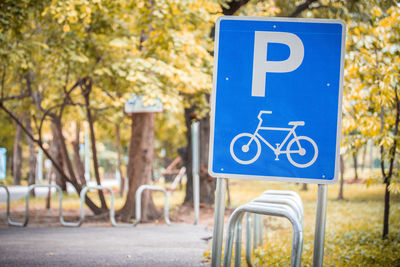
[144, 245]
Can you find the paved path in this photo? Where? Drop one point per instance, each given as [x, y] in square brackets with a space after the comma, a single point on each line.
[144, 245]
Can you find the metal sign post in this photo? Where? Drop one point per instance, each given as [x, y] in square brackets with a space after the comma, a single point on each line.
[318, 257]
[87, 155]
[218, 231]
[196, 169]
[39, 166]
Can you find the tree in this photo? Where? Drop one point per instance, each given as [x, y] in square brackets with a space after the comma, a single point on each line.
[17, 155]
[179, 64]
[341, 182]
[375, 73]
[28, 53]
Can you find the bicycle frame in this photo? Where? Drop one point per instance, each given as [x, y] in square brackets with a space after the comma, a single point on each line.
[276, 150]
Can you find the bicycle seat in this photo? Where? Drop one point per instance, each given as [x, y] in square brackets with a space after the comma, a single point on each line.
[297, 123]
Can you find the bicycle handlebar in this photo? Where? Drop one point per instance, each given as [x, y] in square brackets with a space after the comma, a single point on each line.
[263, 112]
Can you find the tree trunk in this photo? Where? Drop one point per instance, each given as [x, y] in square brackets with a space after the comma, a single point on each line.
[388, 177]
[304, 187]
[364, 157]
[86, 90]
[76, 158]
[48, 197]
[371, 156]
[119, 156]
[32, 157]
[228, 192]
[55, 151]
[207, 183]
[355, 161]
[386, 211]
[140, 165]
[17, 155]
[187, 156]
[340, 196]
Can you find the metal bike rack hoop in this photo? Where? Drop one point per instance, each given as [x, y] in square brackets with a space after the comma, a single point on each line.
[60, 197]
[265, 209]
[276, 196]
[9, 220]
[284, 200]
[286, 193]
[112, 209]
[138, 196]
[287, 200]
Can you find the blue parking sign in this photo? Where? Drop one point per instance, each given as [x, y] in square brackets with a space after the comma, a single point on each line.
[276, 100]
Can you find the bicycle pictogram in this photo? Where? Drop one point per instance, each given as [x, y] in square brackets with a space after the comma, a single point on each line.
[303, 147]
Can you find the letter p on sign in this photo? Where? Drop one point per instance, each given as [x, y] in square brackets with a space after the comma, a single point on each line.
[260, 64]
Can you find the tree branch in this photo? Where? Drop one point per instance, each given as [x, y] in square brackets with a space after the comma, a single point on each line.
[396, 130]
[15, 97]
[3, 77]
[233, 6]
[67, 98]
[300, 8]
[37, 141]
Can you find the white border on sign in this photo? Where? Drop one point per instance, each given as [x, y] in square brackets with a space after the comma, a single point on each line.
[213, 95]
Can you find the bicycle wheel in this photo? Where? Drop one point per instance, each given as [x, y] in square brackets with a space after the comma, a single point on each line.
[243, 152]
[304, 153]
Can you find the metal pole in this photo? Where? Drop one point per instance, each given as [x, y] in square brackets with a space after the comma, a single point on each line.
[218, 232]
[87, 155]
[195, 170]
[320, 220]
[39, 166]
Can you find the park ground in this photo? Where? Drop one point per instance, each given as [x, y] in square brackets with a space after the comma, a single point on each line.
[353, 229]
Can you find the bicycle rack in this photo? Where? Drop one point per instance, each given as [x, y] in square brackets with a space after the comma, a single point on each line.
[265, 209]
[286, 193]
[257, 223]
[112, 210]
[288, 198]
[277, 199]
[9, 220]
[60, 196]
[138, 195]
[62, 221]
